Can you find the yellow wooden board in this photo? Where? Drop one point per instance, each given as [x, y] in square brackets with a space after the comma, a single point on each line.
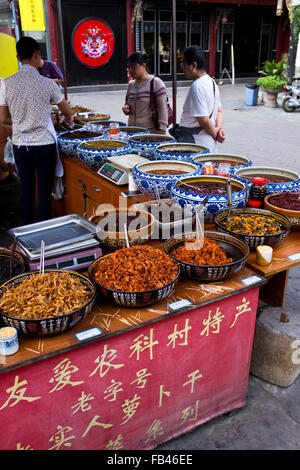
[8, 55]
[32, 15]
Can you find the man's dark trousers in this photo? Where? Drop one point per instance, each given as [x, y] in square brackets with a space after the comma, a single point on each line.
[30, 161]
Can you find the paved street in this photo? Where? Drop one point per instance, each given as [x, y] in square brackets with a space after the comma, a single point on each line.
[271, 418]
[266, 136]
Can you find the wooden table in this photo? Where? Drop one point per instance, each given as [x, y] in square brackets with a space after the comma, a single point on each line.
[274, 291]
[146, 375]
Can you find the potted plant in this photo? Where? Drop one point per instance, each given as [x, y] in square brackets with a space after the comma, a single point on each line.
[272, 81]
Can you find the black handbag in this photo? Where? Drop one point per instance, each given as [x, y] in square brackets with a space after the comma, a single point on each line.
[184, 134]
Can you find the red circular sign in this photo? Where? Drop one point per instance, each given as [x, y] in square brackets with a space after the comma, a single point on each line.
[93, 42]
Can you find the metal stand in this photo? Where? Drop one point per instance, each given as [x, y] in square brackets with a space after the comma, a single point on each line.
[225, 72]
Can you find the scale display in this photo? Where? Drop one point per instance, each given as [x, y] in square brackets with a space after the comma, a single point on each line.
[114, 174]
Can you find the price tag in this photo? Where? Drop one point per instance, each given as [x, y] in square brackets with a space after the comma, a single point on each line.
[179, 304]
[88, 334]
[251, 280]
[294, 257]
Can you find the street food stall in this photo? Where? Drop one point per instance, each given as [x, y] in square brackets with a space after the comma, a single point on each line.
[159, 337]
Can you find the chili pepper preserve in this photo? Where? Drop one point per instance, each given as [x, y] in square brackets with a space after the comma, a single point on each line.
[257, 192]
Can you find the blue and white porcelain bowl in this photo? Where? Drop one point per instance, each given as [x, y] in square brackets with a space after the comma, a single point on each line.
[134, 130]
[179, 152]
[95, 157]
[235, 161]
[186, 196]
[292, 182]
[106, 124]
[69, 145]
[147, 181]
[146, 144]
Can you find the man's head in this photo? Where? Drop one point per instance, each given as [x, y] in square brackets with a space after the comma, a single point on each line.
[28, 51]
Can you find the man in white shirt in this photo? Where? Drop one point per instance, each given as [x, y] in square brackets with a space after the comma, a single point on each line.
[202, 106]
[26, 98]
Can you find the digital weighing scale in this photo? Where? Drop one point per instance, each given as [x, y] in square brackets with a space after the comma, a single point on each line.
[118, 168]
[69, 243]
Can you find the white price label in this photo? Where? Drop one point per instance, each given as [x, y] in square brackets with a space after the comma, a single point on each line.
[88, 334]
[179, 304]
[294, 257]
[251, 280]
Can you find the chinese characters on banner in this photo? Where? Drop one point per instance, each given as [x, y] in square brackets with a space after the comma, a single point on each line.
[137, 389]
[32, 15]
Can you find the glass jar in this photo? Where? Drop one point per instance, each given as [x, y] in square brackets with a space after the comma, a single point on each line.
[209, 168]
[257, 192]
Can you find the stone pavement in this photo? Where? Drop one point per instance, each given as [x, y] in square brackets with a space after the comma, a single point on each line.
[271, 418]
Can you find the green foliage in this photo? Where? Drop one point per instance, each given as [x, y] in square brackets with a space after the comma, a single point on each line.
[270, 82]
[273, 69]
[272, 74]
[296, 21]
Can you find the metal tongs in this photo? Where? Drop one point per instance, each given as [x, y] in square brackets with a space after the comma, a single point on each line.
[229, 196]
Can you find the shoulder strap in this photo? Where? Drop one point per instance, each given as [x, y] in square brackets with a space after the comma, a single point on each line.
[214, 87]
[152, 97]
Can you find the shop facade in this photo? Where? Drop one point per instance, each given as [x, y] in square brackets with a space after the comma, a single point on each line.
[91, 40]
[233, 34]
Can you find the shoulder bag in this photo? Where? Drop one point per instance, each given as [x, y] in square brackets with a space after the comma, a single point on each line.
[154, 111]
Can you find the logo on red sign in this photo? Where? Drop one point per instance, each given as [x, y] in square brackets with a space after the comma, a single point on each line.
[93, 42]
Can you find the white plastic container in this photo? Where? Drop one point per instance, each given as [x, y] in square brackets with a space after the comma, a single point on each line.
[165, 230]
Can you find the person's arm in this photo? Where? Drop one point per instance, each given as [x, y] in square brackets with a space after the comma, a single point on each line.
[219, 125]
[5, 118]
[66, 111]
[57, 80]
[161, 105]
[126, 107]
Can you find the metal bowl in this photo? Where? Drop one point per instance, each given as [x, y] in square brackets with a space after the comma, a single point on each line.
[255, 240]
[179, 151]
[53, 325]
[19, 264]
[132, 299]
[234, 248]
[149, 182]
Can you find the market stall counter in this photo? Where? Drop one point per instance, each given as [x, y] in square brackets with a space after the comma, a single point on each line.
[132, 378]
[286, 256]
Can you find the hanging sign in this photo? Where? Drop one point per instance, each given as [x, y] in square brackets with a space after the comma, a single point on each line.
[32, 15]
[93, 42]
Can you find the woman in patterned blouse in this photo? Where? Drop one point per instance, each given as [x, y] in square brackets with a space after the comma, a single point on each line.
[137, 102]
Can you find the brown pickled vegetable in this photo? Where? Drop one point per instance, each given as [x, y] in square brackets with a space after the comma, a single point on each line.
[136, 269]
[167, 172]
[44, 296]
[269, 178]
[210, 254]
[80, 135]
[145, 138]
[289, 201]
[103, 144]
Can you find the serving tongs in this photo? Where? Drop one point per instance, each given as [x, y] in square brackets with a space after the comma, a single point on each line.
[229, 197]
[199, 227]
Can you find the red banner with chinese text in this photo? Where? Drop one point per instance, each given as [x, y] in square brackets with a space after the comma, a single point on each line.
[134, 390]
